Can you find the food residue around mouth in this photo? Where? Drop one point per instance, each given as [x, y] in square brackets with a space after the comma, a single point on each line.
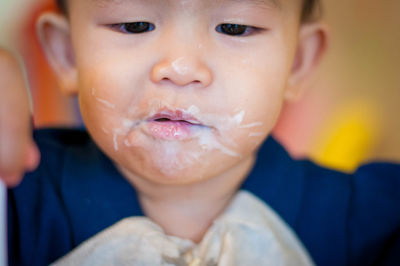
[176, 131]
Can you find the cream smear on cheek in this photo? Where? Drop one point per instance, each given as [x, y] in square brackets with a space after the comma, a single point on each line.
[173, 156]
[105, 103]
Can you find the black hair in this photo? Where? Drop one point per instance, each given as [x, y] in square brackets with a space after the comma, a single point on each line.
[310, 8]
[62, 5]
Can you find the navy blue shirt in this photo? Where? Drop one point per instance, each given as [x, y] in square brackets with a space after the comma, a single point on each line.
[76, 192]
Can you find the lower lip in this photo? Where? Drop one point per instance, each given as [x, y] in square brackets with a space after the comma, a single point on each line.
[171, 130]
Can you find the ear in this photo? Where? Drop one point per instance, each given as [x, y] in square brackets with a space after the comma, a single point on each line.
[312, 45]
[54, 35]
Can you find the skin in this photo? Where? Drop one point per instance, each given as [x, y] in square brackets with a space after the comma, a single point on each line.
[234, 85]
[132, 71]
[18, 153]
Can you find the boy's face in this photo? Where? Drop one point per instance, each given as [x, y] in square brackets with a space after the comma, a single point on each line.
[178, 99]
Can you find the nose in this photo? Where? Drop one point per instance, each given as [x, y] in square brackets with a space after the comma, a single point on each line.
[182, 71]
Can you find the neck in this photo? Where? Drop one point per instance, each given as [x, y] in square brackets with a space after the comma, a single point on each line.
[187, 211]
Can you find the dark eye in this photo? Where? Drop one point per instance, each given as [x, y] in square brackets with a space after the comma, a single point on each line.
[235, 29]
[135, 27]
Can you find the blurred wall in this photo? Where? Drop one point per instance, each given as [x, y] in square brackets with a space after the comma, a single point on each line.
[12, 13]
[360, 76]
[364, 63]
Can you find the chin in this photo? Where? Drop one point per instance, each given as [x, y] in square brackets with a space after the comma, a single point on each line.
[177, 175]
[180, 170]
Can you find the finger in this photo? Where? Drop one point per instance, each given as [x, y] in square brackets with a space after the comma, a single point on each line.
[32, 158]
[15, 125]
[13, 180]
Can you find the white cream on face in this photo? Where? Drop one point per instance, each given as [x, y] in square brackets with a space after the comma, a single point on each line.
[256, 124]
[105, 103]
[170, 157]
[123, 131]
[256, 134]
[105, 130]
[208, 142]
[116, 133]
[187, 6]
[180, 67]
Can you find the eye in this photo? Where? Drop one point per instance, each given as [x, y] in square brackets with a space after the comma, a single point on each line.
[235, 29]
[134, 27]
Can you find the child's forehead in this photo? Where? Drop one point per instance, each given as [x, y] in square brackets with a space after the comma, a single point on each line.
[256, 3]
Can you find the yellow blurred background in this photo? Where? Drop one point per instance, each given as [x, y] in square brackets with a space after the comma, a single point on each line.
[348, 116]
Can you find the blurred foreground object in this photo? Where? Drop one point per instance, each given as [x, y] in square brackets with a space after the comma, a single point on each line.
[3, 223]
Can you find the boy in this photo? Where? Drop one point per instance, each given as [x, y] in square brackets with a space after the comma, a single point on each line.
[180, 96]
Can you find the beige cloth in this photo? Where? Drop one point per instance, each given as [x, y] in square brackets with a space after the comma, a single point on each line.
[247, 233]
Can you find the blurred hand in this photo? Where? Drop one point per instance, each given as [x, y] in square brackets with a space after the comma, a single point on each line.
[18, 152]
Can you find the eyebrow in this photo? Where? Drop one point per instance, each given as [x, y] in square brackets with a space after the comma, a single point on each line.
[273, 3]
[268, 3]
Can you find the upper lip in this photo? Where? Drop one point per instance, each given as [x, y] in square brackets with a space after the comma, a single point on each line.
[175, 115]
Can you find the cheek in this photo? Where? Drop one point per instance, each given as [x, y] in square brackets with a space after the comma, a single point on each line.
[109, 88]
[104, 99]
[258, 85]
[115, 71]
[259, 90]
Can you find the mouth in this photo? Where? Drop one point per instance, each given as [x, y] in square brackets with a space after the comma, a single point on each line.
[173, 125]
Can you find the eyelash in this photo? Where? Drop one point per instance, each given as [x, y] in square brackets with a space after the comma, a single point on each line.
[134, 27]
[236, 30]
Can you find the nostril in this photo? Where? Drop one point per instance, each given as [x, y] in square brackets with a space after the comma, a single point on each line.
[165, 81]
[180, 81]
[181, 72]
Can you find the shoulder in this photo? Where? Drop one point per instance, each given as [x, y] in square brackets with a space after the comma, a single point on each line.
[375, 191]
[294, 187]
[357, 213]
[58, 140]
[327, 206]
[54, 144]
[375, 181]
[378, 182]
[374, 214]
